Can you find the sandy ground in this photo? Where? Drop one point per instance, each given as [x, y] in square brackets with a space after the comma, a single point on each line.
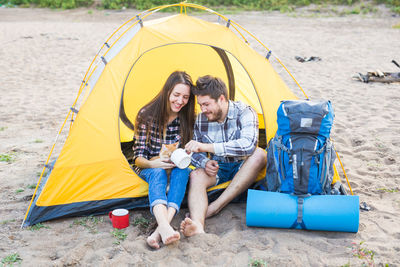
[44, 55]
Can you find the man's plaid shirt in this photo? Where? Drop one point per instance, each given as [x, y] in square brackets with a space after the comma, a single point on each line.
[234, 139]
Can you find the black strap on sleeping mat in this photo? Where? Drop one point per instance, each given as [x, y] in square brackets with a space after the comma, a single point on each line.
[300, 208]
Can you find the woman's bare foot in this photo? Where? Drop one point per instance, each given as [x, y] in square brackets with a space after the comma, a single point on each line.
[168, 234]
[190, 228]
[154, 240]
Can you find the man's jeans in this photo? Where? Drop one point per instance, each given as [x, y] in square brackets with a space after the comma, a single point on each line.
[157, 179]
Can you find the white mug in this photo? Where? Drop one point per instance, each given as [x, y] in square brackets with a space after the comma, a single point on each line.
[180, 158]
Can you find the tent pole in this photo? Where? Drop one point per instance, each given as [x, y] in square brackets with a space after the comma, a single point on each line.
[344, 172]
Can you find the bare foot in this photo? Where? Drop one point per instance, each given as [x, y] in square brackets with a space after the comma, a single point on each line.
[190, 228]
[169, 235]
[154, 240]
[170, 239]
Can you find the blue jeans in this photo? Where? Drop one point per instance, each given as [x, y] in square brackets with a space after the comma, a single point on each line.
[157, 179]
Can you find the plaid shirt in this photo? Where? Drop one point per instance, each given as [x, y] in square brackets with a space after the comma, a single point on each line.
[152, 147]
[234, 139]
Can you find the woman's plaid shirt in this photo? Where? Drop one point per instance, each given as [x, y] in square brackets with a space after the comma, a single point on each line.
[151, 147]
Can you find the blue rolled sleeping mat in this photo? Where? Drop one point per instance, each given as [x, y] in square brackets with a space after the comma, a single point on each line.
[317, 212]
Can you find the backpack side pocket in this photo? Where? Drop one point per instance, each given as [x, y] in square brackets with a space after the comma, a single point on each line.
[272, 174]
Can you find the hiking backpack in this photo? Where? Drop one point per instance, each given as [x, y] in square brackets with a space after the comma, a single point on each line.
[301, 155]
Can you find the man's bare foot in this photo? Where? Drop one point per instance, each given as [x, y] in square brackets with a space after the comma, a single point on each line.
[190, 228]
[154, 240]
[168, 235]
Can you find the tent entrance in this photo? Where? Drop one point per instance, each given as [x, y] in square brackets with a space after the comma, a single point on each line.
[148, 74]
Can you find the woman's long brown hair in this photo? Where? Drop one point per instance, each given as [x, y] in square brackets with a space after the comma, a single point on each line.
[156, 111]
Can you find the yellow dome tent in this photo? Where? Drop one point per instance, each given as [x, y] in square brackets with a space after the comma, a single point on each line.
[91, 175]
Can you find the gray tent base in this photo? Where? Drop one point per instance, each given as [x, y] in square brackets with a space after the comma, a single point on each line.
[39, 214]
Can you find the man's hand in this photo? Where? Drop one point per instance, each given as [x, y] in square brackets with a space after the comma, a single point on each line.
[211, 168]
[194, 146]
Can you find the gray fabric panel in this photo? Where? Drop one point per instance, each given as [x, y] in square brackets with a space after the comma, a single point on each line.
[112, 53]
[95, 76]
[306, 117]
[122, 42]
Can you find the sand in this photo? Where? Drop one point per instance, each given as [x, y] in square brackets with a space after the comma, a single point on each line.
[44, 55]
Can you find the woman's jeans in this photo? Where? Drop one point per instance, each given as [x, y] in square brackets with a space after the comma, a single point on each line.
[157, 179]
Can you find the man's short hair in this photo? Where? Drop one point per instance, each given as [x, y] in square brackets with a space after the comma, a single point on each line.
[211, 86]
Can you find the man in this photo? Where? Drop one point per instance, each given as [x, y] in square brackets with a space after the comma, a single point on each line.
[228, 131]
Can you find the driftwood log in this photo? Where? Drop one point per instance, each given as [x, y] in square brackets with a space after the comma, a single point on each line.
[385, 77]
[382, 77]
[379, 76]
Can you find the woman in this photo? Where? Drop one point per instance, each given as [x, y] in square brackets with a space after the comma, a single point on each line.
[167, 119]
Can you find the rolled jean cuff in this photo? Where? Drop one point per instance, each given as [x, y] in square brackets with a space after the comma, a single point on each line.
[156, 202]
[173, 205]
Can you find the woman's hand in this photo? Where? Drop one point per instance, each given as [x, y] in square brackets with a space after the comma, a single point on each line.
[153, 163]
[161, 163]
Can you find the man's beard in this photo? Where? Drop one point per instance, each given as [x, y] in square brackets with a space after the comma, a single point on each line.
[217, 117]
